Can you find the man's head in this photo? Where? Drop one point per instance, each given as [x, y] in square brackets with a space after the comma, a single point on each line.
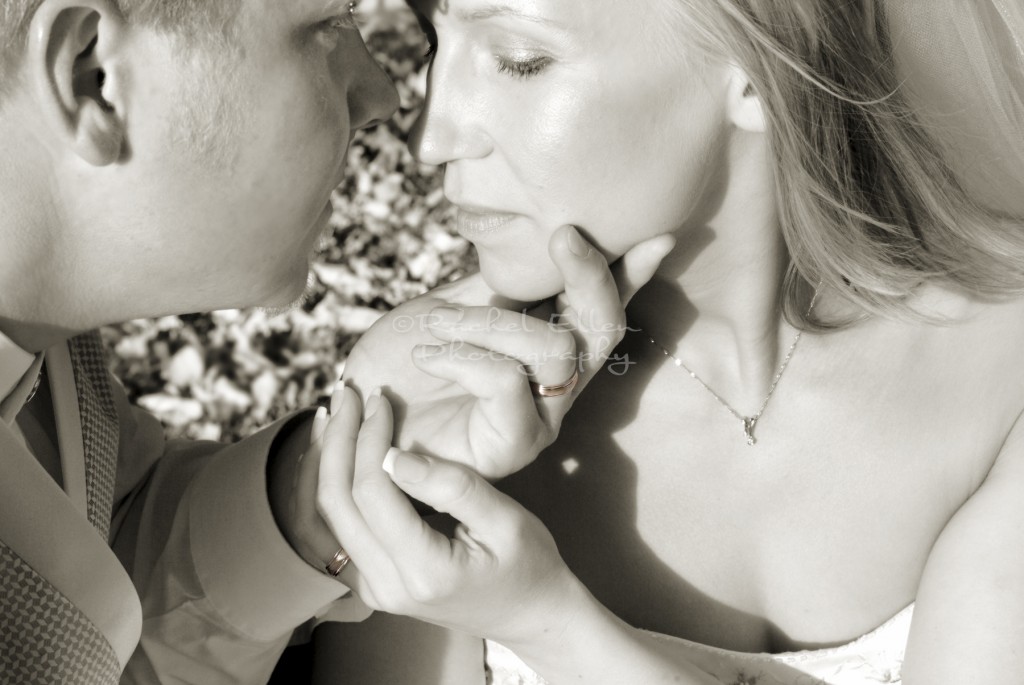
[160, 157]
[198, 20]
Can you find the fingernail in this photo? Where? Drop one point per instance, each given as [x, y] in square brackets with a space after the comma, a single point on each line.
[445, 316]
[428, 351]
[389, 461]
[373, 403]
[316, 433]
[577, 245]
[338, 397]
[406, 467]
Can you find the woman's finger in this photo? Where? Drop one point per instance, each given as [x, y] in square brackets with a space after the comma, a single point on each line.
[334, 490]
[592, 305]
[505, 409]
[638, 266]
[634, 269]
[482, 373]
[411, 544]
[316, 538]
[589, 286]
[547, 350]
[591, 309]
[485, 513]
[353, 578]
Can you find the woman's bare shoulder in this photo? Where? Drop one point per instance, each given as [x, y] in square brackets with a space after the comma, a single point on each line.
[993, 325]
[980, 344]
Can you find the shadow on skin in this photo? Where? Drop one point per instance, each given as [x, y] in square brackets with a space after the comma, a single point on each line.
[592, 511]
[596, 508]
[391, 650]
[592, 515]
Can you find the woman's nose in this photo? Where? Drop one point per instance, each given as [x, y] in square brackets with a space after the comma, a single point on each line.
[430, 140]
[449, 126]
[373, 99]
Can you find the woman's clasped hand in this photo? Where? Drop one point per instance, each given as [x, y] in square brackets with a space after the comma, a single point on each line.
[499, 573]
[468, 391]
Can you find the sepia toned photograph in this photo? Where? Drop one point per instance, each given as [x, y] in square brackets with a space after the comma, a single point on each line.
[511, 342]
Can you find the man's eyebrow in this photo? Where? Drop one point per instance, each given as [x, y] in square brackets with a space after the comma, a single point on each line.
[492, 11]
[331, 6]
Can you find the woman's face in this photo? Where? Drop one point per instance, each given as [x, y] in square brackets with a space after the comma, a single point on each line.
[547, 112]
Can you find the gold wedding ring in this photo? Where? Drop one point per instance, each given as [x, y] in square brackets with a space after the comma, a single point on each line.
[338, 562]
[540, 390]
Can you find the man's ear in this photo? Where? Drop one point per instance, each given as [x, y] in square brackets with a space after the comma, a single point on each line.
[746, 110]
[70, 60]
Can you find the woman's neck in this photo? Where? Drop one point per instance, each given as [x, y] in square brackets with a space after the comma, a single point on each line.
[715, 302]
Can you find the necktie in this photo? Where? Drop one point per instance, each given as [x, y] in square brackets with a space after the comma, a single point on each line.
[100, 432]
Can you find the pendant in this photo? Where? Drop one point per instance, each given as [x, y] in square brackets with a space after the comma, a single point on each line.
[748, 430]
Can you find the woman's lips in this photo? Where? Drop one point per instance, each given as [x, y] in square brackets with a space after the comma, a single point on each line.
[482, 222]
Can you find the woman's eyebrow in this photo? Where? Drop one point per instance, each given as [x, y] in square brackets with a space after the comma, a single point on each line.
[491, 11]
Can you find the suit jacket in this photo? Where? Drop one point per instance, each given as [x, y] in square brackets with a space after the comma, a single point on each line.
[157, 559]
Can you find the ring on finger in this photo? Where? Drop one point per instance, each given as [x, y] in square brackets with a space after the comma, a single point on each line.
[540, 390]
[338, 562]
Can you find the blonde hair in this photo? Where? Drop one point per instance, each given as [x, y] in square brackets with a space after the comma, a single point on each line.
[868, 206]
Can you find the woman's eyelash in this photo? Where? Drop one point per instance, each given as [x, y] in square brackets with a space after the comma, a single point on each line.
[523, 69]
[430, 33]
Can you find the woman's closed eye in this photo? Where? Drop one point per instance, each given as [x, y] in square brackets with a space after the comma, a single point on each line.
[523, 66]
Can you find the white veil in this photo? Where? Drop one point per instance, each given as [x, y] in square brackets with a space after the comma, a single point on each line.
[962, 63]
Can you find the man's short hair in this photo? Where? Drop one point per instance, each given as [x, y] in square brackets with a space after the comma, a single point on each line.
[193, 20]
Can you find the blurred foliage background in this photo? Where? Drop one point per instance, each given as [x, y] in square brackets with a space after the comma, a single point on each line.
[223, 375]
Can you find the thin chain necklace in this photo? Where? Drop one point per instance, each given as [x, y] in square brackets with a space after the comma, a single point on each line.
[749, 422]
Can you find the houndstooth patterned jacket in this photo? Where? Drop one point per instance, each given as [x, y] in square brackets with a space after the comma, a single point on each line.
[153, 581]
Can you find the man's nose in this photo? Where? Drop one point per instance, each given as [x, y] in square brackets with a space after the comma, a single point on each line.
[373, 99]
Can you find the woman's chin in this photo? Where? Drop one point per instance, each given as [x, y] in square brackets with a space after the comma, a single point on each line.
[522, 285]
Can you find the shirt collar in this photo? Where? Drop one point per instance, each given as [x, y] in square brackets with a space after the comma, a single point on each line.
[18, 372]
